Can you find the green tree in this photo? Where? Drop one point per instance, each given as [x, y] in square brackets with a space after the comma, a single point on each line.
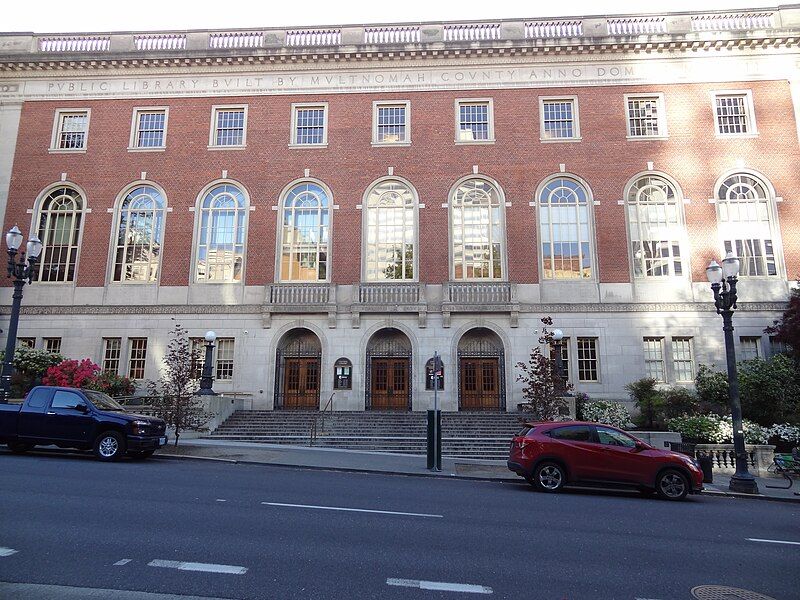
[712, 390]
[679, 401]
[649, 400]
[770, 390]
[787, 328]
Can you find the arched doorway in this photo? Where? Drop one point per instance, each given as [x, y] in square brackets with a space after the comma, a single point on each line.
[297, 370]
[388, 371]
[481, 371]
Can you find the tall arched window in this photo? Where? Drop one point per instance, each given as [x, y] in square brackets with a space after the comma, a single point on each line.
[391, 222]
[60, 220]
[221, 233]
[747, 224]
[305, 233]
[566, 232]
[140, 233]
[477, 230]
[655, 219]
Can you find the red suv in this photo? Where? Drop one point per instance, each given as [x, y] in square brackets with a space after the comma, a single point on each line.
[551, 455]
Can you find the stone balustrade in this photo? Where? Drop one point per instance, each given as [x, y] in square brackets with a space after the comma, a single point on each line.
[759, 457]
[389, 298]
[476, 297]
[689, 25]
[299, 293]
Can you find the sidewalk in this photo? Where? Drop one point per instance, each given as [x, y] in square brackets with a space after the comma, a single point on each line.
[401, 464]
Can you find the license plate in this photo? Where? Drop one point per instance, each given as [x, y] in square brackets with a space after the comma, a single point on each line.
[162, 441]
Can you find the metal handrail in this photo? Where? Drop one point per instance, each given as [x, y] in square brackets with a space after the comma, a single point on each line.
[320, 418]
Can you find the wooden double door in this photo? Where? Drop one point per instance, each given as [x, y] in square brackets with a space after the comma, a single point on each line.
[301, 382]
[389, 386]
[480, 383]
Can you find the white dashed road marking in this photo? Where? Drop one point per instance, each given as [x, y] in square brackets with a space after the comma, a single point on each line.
[440, 586]
[7, 551]
[193, 566]
[221, 500]
[773, 541]
[124, 561]
[359, 510]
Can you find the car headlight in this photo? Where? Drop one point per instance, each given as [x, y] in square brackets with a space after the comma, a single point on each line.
[140, 426]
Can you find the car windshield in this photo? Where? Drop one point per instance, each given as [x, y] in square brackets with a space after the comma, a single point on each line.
[103, 401]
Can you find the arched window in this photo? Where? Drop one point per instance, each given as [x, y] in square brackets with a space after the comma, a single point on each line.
[220, 245]
[747, 224]
[655, 219]
[477, 230]
[566, 232]
[140, 233]
[391, 220]
[305, 234]
[60, 220]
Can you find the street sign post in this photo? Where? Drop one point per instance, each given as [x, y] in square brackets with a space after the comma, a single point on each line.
[435, 420]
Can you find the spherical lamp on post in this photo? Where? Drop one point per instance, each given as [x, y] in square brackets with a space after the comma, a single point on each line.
[723, 281]
[558, 336]
[21, 268]
[207, 380]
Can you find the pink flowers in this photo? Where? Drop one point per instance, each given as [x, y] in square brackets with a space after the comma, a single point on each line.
[71, 373]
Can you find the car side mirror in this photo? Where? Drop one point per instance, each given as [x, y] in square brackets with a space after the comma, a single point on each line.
[640, 446]
[83, 408]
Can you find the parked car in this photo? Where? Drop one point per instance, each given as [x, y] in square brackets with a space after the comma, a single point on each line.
[554, 454]
[83, 419]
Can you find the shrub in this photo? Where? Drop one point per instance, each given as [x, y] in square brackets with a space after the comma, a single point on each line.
[785, 432]
[648, 400]
[607, 412]
[112, 384]
[715, 429]
[29, 367]
[679, 401]
[712, 389]
[770, 389]
[71, 373]
[581, 400]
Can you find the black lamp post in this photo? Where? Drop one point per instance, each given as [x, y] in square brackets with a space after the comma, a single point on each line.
[21, 271]
[558, 336]
[206, 380]
[723, 281]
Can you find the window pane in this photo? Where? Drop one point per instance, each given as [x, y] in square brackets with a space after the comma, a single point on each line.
[643, 117]
[150, 129]
[310, 125]
[223, 223]
[564, 218]
[654, 358]
[60, 221]
[732, 114]
[682, 360]
[557, 118]
[72, 131]
[229, 127]
[391, 126]
[476, 221]
[390, 234]
[587, 359]
[140, 231]
[304, 241]
[473, 121]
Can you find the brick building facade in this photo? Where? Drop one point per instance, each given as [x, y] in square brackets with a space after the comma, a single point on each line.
[337, 204]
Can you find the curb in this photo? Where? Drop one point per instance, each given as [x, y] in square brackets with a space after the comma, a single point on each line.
[722, 494]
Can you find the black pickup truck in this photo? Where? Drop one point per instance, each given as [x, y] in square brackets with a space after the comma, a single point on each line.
[83, 419]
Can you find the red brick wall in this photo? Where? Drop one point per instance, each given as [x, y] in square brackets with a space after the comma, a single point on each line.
[518, 161]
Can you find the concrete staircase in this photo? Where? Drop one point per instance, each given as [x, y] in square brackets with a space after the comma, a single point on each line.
[484, 435]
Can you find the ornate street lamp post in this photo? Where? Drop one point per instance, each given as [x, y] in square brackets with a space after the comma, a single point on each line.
[21, 271]
[723, 281]
[206, 380]
[558, 336]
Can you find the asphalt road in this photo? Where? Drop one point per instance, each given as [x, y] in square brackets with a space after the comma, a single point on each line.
[220, 530]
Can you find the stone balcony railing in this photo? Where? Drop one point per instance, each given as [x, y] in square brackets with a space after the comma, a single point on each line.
[406, 36]
[477, 297]
[723, 458]
[389, 298]
[300, 298]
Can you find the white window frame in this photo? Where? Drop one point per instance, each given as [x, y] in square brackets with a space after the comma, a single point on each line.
[596, 358]
[128, 369]
[660, 341]
[576, 122]
[744, 340]
[489, 115]
[212, 134]
[104, 350]
[661, 107]
[133, 142]
[218, 360]
[752, 129]
[378, 104]
[56, 134]
[36, 226]
[46, 343]
[691, 360]
[297, 106]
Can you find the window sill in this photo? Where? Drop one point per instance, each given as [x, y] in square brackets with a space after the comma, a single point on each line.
[153, 149]
[231, 147]
[390, 144]
[66, 150]
[231, 283]
[126, 283]
[306, 146]
[558, 140]
[727, 136]
[474, 142]
[646, 138]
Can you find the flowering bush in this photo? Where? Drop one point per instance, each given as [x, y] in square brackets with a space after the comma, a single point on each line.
[112, 384]
[608, 412]
[71, 373]
[785, 432]
[715, 429]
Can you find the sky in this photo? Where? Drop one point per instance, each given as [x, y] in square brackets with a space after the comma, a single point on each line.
[56, 16]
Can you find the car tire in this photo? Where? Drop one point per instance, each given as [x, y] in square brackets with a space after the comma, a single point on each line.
[19, 447]
[109, 446]
[672, 485]
[549, 477]
[141, 455]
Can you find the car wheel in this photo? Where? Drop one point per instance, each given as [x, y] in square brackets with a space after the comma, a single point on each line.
[672, 485]
[19, 448]
[141, 455]
[109, 446]
[549, 477]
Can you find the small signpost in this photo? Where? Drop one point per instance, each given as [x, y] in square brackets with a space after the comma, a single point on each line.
[435, 419]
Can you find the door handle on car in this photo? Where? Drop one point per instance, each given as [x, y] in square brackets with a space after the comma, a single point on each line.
[50, 412]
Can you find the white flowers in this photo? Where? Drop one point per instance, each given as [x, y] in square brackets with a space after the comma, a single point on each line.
[608, 412]
[785, 432]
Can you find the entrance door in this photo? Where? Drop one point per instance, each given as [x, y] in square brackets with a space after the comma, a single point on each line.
[389, 384]
[301, 383]
[480, 384]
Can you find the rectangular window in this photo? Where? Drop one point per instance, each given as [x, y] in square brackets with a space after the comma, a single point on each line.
[776, 346]
[559, 119]
[657, 258]
[52, 344]
[474, 121]
[224, 371]
[734, 113]
[137, 355]
[654, 358]
[112, 350]
[71, 130]
[756, 257]
[391, 123]
[564, 356]
[228, 127]
[26, 342]
[587, 359]
[749, 347]
[309, 124]
[646, 117]
[682, 360]
[149, 129]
